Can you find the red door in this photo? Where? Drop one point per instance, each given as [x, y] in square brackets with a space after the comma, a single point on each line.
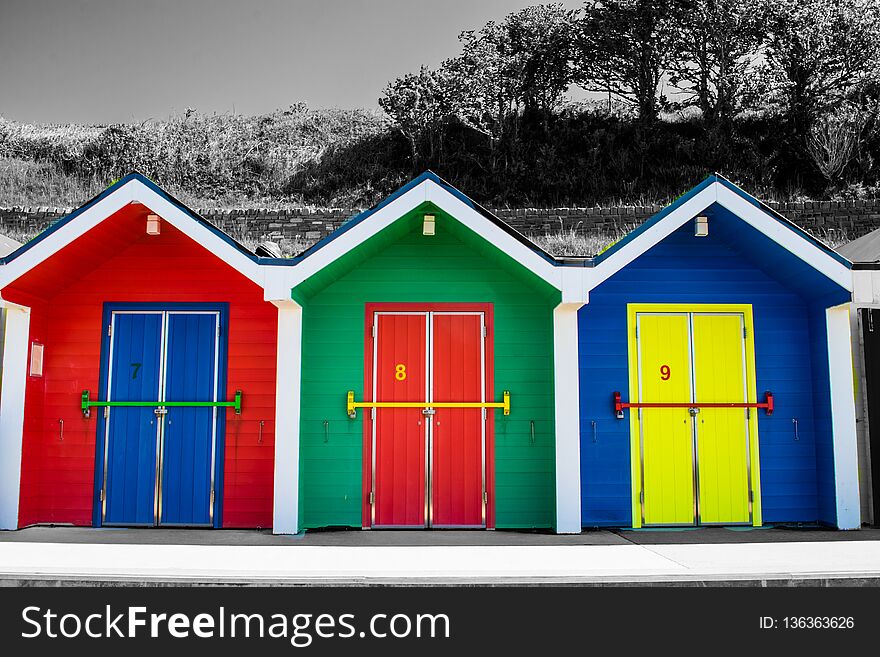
[400, 447]
[457, 440]
[428, 464]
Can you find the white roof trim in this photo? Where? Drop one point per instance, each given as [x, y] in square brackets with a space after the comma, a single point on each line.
[133, 190]
[786, 237]
[751, 214]
[428, 190]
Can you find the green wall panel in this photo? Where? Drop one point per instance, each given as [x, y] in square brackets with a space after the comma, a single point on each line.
[401, 265]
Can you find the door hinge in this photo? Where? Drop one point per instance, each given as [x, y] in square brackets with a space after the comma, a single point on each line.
[109, 330]
[106, 412]
[485, 497]
[485, 331]
[219, 330]
[372, 412]
[745, 333]
[751, 499]
[641, 497]
[372, 498]
[373, 331]
[870, 321]
[102, 494]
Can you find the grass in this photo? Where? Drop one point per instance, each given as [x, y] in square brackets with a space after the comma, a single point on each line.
[577, 243]
[33, 184]
[217, 160]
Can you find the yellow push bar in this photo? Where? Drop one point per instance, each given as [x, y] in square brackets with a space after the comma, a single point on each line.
[352, 405]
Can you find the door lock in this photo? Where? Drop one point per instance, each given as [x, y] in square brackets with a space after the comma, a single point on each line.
[160, 412]
[693, 410]
[428, 411]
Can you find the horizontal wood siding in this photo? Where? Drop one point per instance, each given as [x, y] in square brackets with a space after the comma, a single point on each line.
[58, 476]
[412, 268]
[684, 269]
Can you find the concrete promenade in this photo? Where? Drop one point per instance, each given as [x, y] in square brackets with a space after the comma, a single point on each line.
[716, 556]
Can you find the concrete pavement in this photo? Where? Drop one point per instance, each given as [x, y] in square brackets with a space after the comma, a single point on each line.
[111, 557]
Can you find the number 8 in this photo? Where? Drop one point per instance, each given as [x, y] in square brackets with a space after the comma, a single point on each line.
[400, 371]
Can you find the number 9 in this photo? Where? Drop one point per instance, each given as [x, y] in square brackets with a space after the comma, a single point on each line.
[665, 373]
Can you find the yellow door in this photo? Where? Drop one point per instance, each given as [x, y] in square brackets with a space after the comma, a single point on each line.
[666, 434]
[721, 433]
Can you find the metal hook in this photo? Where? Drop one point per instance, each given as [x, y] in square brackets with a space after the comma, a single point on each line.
[595, 430]
[260, 437]
[794, 421]
[61, 431]
[326, 431]
[532, 431]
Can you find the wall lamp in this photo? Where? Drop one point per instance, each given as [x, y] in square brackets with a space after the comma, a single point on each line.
[428, 225]
[153, 224]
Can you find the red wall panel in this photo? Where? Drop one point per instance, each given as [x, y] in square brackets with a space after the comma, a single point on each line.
[58, 475]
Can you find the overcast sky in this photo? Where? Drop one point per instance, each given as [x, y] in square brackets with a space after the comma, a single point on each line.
[101, 61]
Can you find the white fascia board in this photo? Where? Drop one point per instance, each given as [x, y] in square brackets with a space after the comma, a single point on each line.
[788, 239]
[353, 237]
[654, 235]
[749, 213]
[427, 190]
[63, 236]
[133, 190]
[499, 238]
[197, 231]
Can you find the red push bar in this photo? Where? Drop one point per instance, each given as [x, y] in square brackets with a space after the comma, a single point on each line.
[767, 404]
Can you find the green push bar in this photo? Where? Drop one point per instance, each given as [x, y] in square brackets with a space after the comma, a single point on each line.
[87, 404]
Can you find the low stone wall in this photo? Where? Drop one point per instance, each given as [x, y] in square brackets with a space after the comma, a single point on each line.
[838, 220]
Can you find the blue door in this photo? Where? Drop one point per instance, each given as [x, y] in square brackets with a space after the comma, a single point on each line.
[159, 460]
[188, 444]
[132, 434]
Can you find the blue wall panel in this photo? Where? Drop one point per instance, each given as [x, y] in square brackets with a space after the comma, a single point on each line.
[685, 269]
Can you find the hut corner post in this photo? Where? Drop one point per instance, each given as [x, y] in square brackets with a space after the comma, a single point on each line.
[12, 391]
[567, 414]
[285, 513]
[843, 416]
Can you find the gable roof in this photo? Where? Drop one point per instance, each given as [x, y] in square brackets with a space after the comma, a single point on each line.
[574, 277]
[7, 246]
[716, 189]
[136, 188]
[863, 250]
[429, 187]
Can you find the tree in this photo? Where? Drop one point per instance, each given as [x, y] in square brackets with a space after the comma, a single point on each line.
[625, 47]
[522, 63]
[418, 104]
[833, 141]
[817, 54]
[715, 44]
